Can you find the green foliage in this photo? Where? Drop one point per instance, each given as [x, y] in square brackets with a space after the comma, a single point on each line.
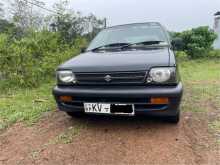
[197, 42]
[31, 60]
[181, 55]
[10, 29]
[31, 47]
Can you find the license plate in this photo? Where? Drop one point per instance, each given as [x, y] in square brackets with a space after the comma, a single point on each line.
[97, 108]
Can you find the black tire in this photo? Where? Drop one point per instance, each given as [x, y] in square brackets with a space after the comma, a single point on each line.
[75, 114]
[174, 119]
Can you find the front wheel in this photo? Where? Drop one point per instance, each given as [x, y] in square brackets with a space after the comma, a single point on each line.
[174, 119]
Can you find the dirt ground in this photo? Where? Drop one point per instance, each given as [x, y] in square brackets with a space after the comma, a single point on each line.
[59, 139]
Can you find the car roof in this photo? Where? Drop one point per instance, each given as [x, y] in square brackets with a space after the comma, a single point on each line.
[143, 23]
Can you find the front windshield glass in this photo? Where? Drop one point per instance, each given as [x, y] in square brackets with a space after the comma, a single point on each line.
[132, 33]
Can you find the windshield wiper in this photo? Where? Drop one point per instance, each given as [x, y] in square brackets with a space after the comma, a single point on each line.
[150, 43]
[126, 45]
[115, 45]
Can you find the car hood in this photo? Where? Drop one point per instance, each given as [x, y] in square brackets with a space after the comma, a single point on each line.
[138, 60]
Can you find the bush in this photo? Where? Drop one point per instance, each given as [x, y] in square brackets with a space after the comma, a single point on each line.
[214, 53]
[33, 59]
[197, 42]
[181, 55]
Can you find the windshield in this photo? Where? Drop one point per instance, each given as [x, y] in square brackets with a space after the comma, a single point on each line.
[133, 33]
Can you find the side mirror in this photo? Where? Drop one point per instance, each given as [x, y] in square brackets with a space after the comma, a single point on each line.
[83, 50]
[177, 44]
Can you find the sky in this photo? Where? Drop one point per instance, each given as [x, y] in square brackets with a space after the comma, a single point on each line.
[176, 15]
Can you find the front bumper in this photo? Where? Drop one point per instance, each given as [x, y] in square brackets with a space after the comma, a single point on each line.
[137, 95]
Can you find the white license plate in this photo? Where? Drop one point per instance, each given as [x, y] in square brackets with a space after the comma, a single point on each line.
[97, 108]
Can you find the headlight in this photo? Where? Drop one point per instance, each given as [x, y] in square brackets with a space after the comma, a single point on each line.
[162, 75]
[66, 77]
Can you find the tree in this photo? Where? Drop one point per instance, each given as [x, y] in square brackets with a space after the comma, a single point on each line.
[198, 41]
[72, 24]
[24, 14]
[5, 26]
[92, 25]
[66, 22]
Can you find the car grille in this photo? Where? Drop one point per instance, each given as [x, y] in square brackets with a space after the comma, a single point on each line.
[108, 78]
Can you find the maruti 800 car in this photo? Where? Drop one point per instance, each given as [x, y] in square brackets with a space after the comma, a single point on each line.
[126, 70]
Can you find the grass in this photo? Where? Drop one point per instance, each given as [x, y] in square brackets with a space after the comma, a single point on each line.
[201, 80]
[200, 70]
[25, 105]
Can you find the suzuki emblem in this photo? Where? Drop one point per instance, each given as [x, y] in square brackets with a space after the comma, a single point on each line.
[108, 78]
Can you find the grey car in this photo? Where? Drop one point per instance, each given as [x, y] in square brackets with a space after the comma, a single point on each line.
[126, 70]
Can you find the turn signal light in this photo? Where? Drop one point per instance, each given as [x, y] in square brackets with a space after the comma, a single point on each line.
[66, 98]
[159, 101]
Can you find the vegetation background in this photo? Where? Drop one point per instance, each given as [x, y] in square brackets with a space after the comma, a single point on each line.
[33, 45]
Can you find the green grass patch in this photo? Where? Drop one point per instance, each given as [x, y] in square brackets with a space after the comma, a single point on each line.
[201, 80]
[203, 70]
[25, 105]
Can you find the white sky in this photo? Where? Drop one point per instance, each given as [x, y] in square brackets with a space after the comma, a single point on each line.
[176, 15]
